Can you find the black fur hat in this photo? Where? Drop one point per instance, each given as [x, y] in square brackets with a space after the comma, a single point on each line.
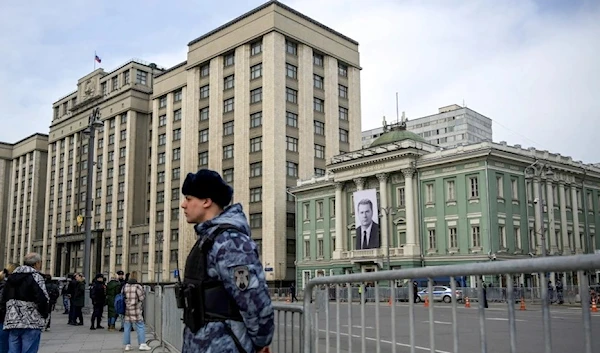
[208, 184]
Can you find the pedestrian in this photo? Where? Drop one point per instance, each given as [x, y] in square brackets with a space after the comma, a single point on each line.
[226, 302]
[134, 299]
[98, 296]
[70, 293]
[65, 296]
[122, 281]
[485, 301]
[293, 292]
[53, 294]
[78, 300]
[4, 334]
[27, 304]
[113, 287]
[415, 290]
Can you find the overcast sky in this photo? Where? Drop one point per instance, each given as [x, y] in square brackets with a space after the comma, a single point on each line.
[531, 66]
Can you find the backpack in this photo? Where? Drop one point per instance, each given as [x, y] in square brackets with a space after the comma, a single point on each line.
[120, 303]
[53, 293]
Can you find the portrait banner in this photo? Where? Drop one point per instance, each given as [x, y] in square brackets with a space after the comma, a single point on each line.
[367, 219]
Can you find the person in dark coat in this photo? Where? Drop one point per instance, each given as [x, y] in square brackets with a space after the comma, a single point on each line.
[122, 281]
[98, 296]
[78, 300]
[113, 287]
[4, 334]
[415, 292]
[70, 294]
[53, 293]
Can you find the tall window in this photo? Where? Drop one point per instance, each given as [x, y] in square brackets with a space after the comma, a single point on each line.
[204, 91]
[256, 71]
[256, 144]
[256, 119]
[256, 194]
[502, 236]
[291, 95]
[291, 71]
[429, 194]
[432, 244]
[319, 128]
[450, 190]
[228, 82]
[292, 144]
[227, 151]
[475, 237]
[319, 81]
[518, 238]
[292, 169]
[474, 187]
[256, 95]
[319, 151]
[228, 105]
[291, 119]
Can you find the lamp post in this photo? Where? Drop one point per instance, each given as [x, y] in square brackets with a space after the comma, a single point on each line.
[159, 240]
[94, 123]
[537, 170]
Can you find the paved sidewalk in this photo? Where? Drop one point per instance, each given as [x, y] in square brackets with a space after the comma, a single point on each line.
[63, 338]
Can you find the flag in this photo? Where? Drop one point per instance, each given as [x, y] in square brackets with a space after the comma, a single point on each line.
[98, 59]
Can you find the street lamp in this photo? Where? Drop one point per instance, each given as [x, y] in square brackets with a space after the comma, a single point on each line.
[537, 170]
[94, 124]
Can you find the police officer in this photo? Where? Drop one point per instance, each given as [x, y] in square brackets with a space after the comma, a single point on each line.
[224, 294]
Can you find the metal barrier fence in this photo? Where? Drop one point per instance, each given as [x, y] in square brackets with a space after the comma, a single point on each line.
[321, 311]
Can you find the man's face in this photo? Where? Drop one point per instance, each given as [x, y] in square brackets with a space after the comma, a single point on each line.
[194, 209]
[38, 266]
[121, 277]
[365, 215]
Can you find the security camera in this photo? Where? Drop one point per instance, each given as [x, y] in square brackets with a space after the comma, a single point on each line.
[493, 257]
[536, 200]
[531, 254]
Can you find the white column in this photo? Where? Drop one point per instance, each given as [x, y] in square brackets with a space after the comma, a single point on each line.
[360, 184]
[575, 208]
[383, 198]
[339, 224]
[538, 216]
[552, 245]
[563, 219]
[411, 247]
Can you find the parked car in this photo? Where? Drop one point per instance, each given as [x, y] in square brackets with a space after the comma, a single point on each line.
[440, 293]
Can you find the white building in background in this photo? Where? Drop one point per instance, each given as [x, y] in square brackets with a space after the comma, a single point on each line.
[453, 125]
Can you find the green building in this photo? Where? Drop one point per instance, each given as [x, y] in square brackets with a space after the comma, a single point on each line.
[434, 206]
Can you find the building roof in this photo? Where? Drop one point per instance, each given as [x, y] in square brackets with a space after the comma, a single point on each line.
[396, 135]
[264, 6]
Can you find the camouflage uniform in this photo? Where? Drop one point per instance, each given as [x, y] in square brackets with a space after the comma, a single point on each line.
[231, 252]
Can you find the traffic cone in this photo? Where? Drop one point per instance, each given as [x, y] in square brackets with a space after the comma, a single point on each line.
[390, 301]
[467, 302]
[522, 308]
[594, 308]
[288, 298]
[426, 302]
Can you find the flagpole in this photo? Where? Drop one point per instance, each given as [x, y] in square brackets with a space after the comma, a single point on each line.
[94, 60]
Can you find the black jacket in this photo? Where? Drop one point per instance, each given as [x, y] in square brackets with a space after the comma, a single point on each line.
[98, 294]
[26, 300]
[2, 306]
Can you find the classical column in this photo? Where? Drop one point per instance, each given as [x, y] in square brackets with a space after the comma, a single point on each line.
[566, 250]
[538, 216]
[383, 199]
[411, 247]
[339, 220]
[575, 208]
[360, 183]
[552, 243]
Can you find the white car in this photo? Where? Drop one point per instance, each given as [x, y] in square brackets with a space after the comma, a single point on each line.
[440, 293]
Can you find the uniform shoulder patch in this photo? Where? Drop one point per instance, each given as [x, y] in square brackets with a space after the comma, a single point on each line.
[242, 277]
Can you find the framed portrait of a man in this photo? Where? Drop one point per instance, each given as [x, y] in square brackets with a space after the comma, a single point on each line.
[367, 226]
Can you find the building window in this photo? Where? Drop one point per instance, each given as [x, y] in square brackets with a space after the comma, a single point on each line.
[319, 82]
[204, 136]
[291, 48]
[400, 197]
[228, 175]
[291, 95]
[203, 158]
[256, 144]
[342, 70]
[228, 128]
[228, 105]
[256, 71]
[122, 152]
[124, 118]
[204, 70]
[431, 238]
[319, 128]
[318, 59]
[255, 48]
[126, 77]
[319, 105]
[502, 236]
[515, 189]
[256, 194]
[291, 71]
[475, 237]
[177, 95]
[162, 120]
[162, 139]
[176, 134]
[256, 95]
[291, 119]
[141, 77]
[292, 144]
[204, 91]
[204, 113]
[255, 120]
[123, 134]
[256, 220]
[319, 172]
[344, 135]
[450, 190]
[343, 91]
[517, 238]
[228, 82]
[474, 187]
[227, 151]
[160, 196]
[255, 169]
[319, 209]
[176, 173]
[343, 113]
[176, 154]
[292, 169]
[453, 238]
[162, 102]
[429, 194]
[320, 248]
[500, 186]
[229, 59]
[177, 115]
[319, 151]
